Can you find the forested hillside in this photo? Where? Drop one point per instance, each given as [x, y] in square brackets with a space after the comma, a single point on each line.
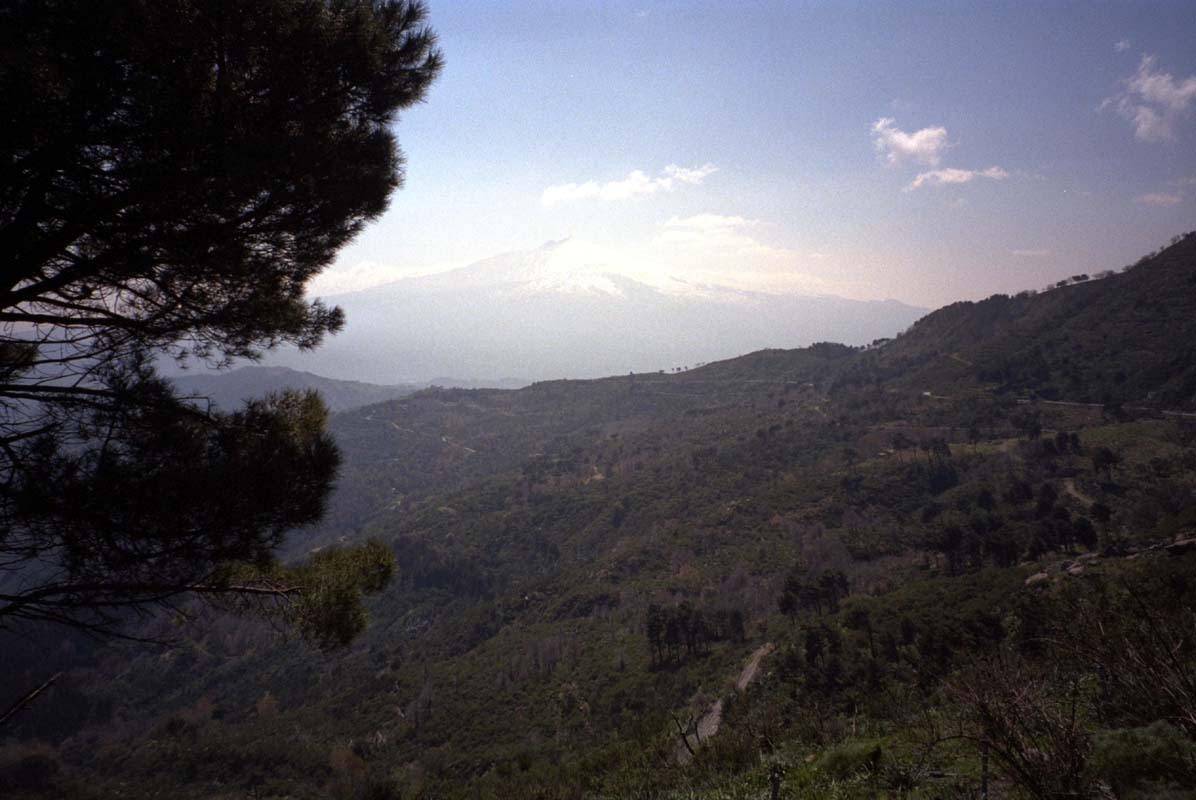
[230, 390]
[1115, 339]
[829, 572]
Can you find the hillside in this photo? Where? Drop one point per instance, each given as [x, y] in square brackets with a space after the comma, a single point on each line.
[914, 551]
[1125, 338]
[230, 389]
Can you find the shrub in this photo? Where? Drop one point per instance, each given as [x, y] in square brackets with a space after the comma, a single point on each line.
[1145, 759]
[849, 759]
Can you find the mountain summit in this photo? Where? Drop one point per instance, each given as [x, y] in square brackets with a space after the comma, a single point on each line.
[568, 309]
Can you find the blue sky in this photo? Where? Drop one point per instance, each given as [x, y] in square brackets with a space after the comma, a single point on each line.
[779, 145]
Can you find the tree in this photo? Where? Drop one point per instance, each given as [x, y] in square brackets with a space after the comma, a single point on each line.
[832, 585]
[171, 177]
[1036, 723]
[655, 630]
[793, 593]
[860, 619]
[1029, 424]
[736, 629]
[985, 499]
[938, 451]
[1019, 493]
[974, 435]
[814, 645]
[1105, 460]
[1084, 532]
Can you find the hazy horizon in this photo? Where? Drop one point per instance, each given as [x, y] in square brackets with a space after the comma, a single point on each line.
[567, 309]
[925, 156]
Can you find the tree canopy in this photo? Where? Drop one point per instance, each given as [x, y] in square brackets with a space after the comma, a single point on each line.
[171, 177]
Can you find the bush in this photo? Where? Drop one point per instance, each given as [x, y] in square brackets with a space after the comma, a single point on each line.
[1145, 759]
[849, 759]
[33, 773]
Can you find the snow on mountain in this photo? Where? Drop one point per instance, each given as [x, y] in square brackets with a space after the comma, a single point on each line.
[569, 309]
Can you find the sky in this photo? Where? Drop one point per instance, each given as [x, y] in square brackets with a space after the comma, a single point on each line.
[923, 152]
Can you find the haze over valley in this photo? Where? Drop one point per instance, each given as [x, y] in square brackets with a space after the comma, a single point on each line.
[569, 310]
[720, 400]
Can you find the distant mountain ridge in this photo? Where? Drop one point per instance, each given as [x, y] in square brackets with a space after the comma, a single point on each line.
[230, 389]
[1126, 339]
[553, 312]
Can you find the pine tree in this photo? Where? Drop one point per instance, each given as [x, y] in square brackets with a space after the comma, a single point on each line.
[171, 177]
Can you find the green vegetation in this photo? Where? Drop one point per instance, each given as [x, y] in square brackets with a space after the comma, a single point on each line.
[825, 573]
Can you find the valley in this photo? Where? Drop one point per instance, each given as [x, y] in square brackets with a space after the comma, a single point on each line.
[840, 569]
[459, 400]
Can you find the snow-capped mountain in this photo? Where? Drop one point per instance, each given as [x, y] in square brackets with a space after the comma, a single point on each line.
[566, 310]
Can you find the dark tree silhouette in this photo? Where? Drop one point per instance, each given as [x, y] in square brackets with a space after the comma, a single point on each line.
[171, 177]
[1105, 460]
[655, 631]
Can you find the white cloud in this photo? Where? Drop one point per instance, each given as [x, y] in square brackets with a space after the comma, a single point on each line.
[951, 175]
[688, 174]
[708, 222]
[922, 146]
[790, 281]
[339, 279]
[724, 250]
[1154, 101]
[1161, 88]
[1031, 253]
[722, 243]
[1183, 182]
[1159, 199]
[711, 232]
[636, 183]
[1122, 46]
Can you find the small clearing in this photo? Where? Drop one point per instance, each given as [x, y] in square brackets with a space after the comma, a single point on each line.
[753, 664]
[709, 722]
[1069, 486]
